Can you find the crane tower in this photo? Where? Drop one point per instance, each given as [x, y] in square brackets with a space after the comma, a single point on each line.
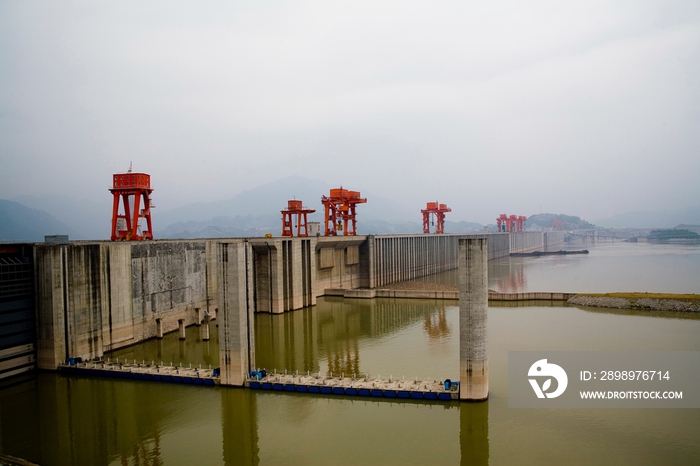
[439, 210]
[135, 190]
[295, 207]
[340, 212]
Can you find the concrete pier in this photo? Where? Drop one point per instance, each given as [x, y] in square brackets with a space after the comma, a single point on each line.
[205, 328]
[236, 329]
[473, 311]
[181, 326]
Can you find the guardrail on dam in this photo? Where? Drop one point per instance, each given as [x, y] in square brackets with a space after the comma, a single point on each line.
[93, 297]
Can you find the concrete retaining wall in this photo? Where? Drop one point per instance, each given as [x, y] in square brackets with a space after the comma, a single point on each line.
[406, 257]
[93, 297]
[527, 241]
[96, 297]
[341, 262]
[553, 238]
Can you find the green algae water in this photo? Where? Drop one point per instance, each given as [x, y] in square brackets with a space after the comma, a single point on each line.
[51, 419]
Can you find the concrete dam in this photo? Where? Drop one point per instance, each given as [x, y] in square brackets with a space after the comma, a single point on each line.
[83, 299]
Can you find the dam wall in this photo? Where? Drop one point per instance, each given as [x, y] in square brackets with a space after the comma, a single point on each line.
[554, 238]
[527, 241]
[94, 297]
[282, 273]
[406, 257]
[97, 297]
[342, 262]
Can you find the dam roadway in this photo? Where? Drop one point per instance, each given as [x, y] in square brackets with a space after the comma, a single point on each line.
[95, 297]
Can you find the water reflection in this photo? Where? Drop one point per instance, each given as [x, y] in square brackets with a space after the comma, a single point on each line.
[171, 350]
[610, 267]
[330, 336]
[55, 420]
[474, 433]
[436, 325]
[507, 275]
[239, 422]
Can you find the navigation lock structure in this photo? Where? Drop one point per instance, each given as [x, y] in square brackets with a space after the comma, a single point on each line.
[93, 297]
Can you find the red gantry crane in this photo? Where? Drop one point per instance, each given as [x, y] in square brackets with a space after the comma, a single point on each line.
[295, 207]
[439, 210]
[511, 224]
[340, 210]
[133, 188]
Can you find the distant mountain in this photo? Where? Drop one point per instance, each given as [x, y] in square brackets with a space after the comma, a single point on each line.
[683, 226]
[251, 213]
[251, 226]
[267, 200]
[89, 219]
[225, 227]
[659, 219]
[20, 223]
[545, 222]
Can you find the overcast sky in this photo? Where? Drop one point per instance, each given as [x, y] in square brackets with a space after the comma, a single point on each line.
[587, 108]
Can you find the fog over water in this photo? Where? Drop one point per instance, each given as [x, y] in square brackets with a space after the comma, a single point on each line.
[586, 108]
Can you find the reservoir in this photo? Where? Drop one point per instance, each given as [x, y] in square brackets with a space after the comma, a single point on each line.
[51, 419]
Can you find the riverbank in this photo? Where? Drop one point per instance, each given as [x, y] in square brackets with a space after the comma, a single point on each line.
[640, 301]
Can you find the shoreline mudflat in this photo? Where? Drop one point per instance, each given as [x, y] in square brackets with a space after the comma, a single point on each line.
[640, 301]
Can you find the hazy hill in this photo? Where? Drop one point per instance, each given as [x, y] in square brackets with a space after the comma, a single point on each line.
[267, 199]
[659, 219]
[89, 219]
[249, 225]
[544, 222]
[261, 207]
[18, 222]
[254, 212]
[682, 226]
